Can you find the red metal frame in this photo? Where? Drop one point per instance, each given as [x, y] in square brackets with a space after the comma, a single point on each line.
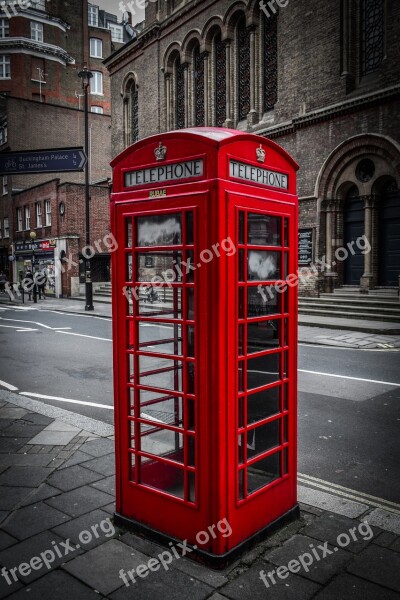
[154, 451]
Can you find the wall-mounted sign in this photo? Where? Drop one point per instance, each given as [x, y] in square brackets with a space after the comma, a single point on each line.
[172, 172]
[239, 170]
[305, 246]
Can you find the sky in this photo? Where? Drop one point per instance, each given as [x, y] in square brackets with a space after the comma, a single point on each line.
[113, 6]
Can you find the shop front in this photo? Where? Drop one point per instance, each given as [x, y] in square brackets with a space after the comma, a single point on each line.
[40, 255]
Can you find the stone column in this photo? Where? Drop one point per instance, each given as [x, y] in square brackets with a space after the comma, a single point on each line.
[168, 101]
[252, 117]
[367, 280]
[330, 274]
[186, 87]
[207, 118]
[228, 116]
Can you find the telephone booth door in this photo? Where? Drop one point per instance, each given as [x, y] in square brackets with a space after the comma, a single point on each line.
[264, 335]
[160, 390]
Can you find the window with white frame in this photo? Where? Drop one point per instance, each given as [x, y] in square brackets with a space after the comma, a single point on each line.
[96, 83]
[4, 28]
[47, 208]
[5, 70]
[27, 218]
[116, 32]
[97, 109]
[19, 219]
[38, 214]
[96, 48]
[6, 227]
[5, 185]
[36, 31]
[38, 4]
[93, 15]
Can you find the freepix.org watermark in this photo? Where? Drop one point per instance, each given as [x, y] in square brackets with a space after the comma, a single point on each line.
[270, 7]
[164, 559]
[307, 559]
[11, 8]
[58, 550]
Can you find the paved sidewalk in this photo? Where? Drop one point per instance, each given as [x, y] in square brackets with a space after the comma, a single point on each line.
[321, 335]
[57, 499]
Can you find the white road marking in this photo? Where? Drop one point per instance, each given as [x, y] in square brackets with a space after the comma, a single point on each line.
[18, 328]
[85, 336]
[34, 395]
[345, 489]
[25, 330]
[8, 386]
[352, 378]
[34, 323]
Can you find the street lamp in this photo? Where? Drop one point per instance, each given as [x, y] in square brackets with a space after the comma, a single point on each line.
[86, 76]
[32, 235]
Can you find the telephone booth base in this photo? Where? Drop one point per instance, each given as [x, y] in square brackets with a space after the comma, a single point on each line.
[209, 559]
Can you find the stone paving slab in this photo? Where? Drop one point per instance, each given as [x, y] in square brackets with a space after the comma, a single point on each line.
[105, 465]
[80, 501]
[72, 477]
[96, 525]
[385, 520]
[30, 520]
[12, 412]
[43, 492]
[353, 588]
[321, 569]
[336, 504]
[23, 460]
[6, 540]
[379, 565]
[11, 497]
[328, 527]
[76, 458]
[99, 447]
[27, 476]
[99, 568]
[53, 438]
[249, 586]
[58, 585]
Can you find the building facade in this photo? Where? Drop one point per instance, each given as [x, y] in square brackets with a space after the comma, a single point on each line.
[320, 78]
[43, 47]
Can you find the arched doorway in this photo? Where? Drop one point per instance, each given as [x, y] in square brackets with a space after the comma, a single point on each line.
[353, 224]
[389, 235]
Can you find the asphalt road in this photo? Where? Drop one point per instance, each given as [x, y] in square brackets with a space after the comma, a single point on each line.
[348, 426]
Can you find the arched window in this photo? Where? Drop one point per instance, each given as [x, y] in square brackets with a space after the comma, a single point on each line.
[131, 113]
[243, 68]
[372, 35]
[198, 87]
[220, 80]
[179, 74]
[270, 61]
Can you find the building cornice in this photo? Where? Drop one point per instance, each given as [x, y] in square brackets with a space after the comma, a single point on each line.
[21, 45]
[40, 16]
[329, 112]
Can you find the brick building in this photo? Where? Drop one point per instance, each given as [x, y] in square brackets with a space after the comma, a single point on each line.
[320, 78]
[42, 50]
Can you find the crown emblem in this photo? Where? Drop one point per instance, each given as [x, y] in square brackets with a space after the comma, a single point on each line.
[160, 152]
[260, 154]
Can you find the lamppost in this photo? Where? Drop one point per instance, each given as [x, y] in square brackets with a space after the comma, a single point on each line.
[86, 76]
[32, 235]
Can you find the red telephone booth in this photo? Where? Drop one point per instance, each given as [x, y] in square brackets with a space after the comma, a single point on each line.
[205, 337]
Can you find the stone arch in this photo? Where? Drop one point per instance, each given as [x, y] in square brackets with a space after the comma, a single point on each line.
[213, 26]
[173, 51]
[237, 10]
[189, 42]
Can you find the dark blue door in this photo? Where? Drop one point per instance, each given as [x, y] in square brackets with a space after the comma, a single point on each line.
[389, 237]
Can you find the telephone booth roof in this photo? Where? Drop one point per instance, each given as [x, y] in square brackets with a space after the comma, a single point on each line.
[209, 142]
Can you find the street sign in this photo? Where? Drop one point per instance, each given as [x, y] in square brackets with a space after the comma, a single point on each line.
[58, 160]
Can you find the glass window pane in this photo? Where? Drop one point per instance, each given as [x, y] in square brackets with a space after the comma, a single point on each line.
[263, 438]
[241, 265]
[263, 404]
[167, 306]
[189, 267]
[190, 341]
[192, 486]
[159, 230]
[286, 232]
[189, 228]
[129, 264]
[130, 367]
[161, 442]
[240, 340]
[190, 378]
[164, 267]
[264, 230]
[165, 338]
[160, 373]
[262, 370]
[131, 435]
[128, 233]
[263, 265]
[241, 227]
[241, 484]
[263, 472]
[131, 400]
[262, 335]
[241, 302]
[190, 304]
[191, 451]
[241, 448]
[263, 300]
[161, 476]
[161, 408]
